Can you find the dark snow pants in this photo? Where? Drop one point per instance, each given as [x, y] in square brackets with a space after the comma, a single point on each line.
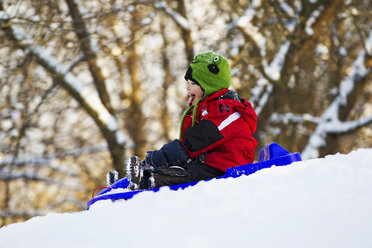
[193, 172]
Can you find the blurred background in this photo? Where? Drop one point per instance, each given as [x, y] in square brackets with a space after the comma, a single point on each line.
[84, 84]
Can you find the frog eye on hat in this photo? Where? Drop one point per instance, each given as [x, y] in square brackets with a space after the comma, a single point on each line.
[213, 68]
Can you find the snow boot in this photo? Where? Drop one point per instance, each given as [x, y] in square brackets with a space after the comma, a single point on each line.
[148, 179]
[112, 177]
[134, 173]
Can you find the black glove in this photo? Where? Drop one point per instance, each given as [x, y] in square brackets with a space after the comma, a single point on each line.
[170, 154]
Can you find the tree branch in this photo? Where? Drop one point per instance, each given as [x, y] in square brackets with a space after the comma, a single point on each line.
[106, 122]
[8, 176]
[89, 51]
[329, 121]
[182, 22]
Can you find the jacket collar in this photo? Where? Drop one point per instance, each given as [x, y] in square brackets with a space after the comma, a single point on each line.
[215, 95]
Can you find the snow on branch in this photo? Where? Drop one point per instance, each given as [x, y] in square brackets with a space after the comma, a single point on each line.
[288, 10]
[260, 94]
[368, 44]
[244, 22]
[75, 62]
[344, 127]
[329, 122]
[270, 70]
[312, 19]
[275, 67]
[178, 18]
[36, 162]
[50, 161]
[293, 118]
[263, 89]
[34, 177]
[88, 98]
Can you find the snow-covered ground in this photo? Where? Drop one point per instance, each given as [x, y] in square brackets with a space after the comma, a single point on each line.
[317, 203]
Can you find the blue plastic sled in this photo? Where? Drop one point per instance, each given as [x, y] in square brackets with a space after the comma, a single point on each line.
[270, 155]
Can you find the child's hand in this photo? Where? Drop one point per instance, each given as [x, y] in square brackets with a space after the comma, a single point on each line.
[170, 154]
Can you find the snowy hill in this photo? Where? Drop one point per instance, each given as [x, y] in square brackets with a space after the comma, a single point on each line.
[317, 203]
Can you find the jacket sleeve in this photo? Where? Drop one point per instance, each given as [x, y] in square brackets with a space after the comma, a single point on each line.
[220, 123]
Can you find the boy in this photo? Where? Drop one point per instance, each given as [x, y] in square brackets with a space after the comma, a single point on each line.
[215, 134]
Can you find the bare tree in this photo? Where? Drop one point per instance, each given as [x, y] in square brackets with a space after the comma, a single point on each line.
[85, 84]
[296, 63]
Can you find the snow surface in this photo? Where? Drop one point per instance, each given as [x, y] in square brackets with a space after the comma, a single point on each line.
[316, 203]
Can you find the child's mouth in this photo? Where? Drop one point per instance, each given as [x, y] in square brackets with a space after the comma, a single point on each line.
[191, 99]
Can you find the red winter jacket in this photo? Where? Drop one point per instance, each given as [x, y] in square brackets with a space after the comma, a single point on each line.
[223, 131]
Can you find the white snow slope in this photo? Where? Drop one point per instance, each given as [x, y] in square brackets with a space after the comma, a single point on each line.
[316, 203]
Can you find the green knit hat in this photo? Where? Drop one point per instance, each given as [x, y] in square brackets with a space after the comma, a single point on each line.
[211, 71]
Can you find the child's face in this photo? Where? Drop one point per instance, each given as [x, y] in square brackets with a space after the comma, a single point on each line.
[194, 91]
